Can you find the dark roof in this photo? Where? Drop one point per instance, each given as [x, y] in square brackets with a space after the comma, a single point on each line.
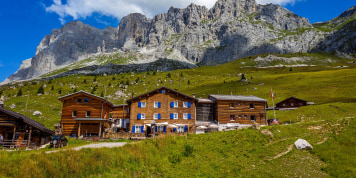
[237, 98]
[90, 119]
[291, 98]
[120, 105]
[27, 121]
[155, 91]
[86, 93]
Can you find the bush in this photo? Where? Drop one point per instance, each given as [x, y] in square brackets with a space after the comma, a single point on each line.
[19, 93]
[40, 90]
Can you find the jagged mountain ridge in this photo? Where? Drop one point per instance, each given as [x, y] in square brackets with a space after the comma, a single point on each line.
[231, 29]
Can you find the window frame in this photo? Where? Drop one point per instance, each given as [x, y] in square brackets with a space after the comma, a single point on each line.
[174, 116]
[143, 104]
[232, 105]
[143, 115]
[88, 115]
[232, 116]
[79, 100]
[139, 129]
[76, 114]
[154, 116]
[180, 128]
[86, 100]
[253, 105]
[174, 104]
[185, 116]
[253, 117]
[160, 128]
[154, 105]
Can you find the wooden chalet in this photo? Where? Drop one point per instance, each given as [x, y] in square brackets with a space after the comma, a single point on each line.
[21, 131]
[84, 114]
[241, 110]
[171, 110]
[292, 103]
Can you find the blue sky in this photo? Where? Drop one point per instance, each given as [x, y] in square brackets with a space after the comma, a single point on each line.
[24, 23]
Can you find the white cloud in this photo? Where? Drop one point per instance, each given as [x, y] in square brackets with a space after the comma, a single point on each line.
[119, 8]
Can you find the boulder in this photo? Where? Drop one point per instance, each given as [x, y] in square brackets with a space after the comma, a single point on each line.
[36, 113]
[267, 132]
[302, 144]
[256, 125]
[12, 106]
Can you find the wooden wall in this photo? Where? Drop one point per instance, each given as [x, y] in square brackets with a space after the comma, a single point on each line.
[223, 112]
[119, 112]
[165, 110]
[69, 125]
[205, 112]
[288, 103]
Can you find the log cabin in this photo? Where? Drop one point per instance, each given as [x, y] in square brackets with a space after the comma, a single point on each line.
[84, 114]
[171, 110]
[239, 110]
[121, 117]
[20, 131]
[292, 103]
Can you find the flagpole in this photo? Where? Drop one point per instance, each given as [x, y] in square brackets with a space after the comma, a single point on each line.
[274, 111]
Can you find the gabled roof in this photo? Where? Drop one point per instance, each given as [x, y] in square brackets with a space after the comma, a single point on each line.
[292, 98]
[85, 93]
[27, 121]
[157, 91]
[205, 100]
[120, 105]
[237, 98]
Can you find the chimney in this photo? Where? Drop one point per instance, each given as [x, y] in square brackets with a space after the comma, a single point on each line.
[132, 95]
[193, 95]
[1, 104]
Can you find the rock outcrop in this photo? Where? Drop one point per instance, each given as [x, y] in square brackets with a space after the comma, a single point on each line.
[231, 29]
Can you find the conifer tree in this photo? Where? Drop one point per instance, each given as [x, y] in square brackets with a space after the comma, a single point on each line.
[19, 93]
[40, 90]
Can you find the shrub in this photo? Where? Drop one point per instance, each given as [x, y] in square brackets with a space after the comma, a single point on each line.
[40, 90]
[19, 93]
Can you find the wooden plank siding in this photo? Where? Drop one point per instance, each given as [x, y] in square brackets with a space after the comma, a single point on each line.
[97, 108]
[223, 111]
[120, 112]
[165, 110]
[291, 102]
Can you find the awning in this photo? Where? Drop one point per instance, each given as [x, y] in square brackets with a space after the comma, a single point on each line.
[149, 125]
[181, 124]
[214, 126]
[162, 123]
[202, 127]
[172, 126]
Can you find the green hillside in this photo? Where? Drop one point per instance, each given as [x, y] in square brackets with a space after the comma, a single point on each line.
[330, 125]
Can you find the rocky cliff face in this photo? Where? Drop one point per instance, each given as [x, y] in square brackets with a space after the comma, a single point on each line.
[230, 30]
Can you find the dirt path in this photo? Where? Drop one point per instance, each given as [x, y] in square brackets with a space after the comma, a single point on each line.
[281, 154]
[94, 145]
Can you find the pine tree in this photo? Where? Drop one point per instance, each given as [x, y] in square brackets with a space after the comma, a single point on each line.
[188, 82]
[181, 74]
[20, 92]
[94, 79]
[113, 78]
[40, 90]
[109, 84]
[154, 72]
[243, 77]
[75, 90]
[290, 69]
[50, 81]
[60, 91]
[85, 81]
[148, 73]
[127, 82]
[138, 79]
[1, 92]
[169, 75]
[102, 94]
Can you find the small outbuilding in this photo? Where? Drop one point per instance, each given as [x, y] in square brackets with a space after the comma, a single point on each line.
[292, 103]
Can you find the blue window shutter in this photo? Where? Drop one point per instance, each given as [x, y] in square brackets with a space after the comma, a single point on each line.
[172, 104]
[189, 104]
[174, 129]
[139, 104]
[133, 129]
[138, 116]
[185, 128]
[159, 104]
[189, 116]
[172, 116]
[164, 128]
[159, 116]
[142, 129]
[155, 128]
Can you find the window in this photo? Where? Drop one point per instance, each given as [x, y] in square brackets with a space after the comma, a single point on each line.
[174, 104]
[232, 117]
[141, 116]
[187, 104]
[163, 91]
[232, 105]
[160, 129]
[244, 104]
[86, 100]
[239, 103]
[180, 129]
[79, 100]
[157, 105]
[187, 116]
[141, 104]
[292, 104]
[252, 105]
[74, 114]
[253, 118]
[88, 114]
[245, 116]
[127, 110]
[284, 104]
[156, 116]
[138, 129]
[240, 116]
[174, 116]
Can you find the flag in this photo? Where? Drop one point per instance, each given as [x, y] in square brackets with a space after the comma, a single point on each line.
[272, 96]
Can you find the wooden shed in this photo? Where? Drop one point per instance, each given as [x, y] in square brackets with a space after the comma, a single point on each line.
[236, 109]
[205, 109]
[292, 103]
[21, 131]
[84, 114]
[171, 110]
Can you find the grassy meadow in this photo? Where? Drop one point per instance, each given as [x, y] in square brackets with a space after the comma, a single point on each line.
[329, 125]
